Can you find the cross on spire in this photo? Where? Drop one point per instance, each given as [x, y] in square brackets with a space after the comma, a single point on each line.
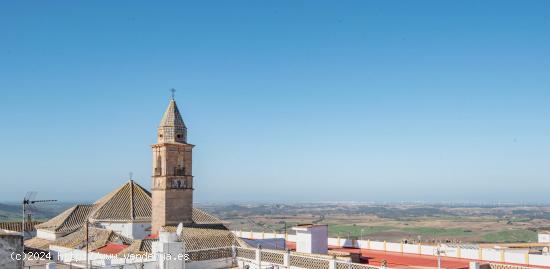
[173, 92]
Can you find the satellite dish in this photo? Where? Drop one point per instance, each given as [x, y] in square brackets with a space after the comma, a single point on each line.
[179, 230]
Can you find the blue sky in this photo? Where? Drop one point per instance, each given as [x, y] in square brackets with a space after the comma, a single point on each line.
[284, 100]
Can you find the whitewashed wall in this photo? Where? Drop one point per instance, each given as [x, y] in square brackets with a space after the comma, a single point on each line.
[513, 257]
[68, 255]
[469, 253]
[331, 241]
[544, 238]
[427, 250]
[410, 248]
[395, 247]
[134, 230]
[45, 234]
[209, 264]
[541, 260]
[376, 245]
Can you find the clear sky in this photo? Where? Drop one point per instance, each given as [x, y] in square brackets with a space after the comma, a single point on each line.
[284, 100]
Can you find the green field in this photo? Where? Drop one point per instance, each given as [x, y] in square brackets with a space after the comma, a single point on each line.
[510, 236]
[429, 231]
[355, 230]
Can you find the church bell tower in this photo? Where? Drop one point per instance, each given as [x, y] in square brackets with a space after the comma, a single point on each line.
[172, 187]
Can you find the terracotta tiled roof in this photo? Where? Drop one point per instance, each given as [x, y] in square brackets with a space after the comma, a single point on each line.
[97, 237]
[68, 221]
[139, 247]
[203, 238]
[16, 225]
[201, 217]
[134, 247]
[146, 245]
[38, 244]
[131, 202]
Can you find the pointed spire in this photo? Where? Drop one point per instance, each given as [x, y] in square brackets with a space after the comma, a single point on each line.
[172, 128]
[172, 116]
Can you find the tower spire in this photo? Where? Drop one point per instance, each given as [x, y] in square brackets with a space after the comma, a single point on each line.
[172, 129]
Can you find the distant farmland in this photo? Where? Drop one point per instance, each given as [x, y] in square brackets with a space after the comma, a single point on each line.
[395, 222]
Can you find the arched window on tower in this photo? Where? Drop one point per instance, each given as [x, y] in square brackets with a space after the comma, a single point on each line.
[158, 167]
[179, 170]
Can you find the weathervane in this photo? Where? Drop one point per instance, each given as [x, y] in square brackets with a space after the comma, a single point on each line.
[131, 174]
[173, 92]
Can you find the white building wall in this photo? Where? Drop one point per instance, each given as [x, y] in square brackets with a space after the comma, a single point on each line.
[209, 264]
[396, 247]
[544, 238]
[410, 248]
[428, 250]
[377, 245]
[491, 255]
[45, 234]
[469, 253]
[312, 239]
[542, 260]
[134, 230]
[303, 242]
[331, 241]
[514, 257]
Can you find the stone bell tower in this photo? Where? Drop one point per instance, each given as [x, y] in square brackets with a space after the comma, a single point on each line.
[172, 187]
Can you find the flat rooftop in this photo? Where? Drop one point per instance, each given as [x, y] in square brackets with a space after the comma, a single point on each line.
[404, 260]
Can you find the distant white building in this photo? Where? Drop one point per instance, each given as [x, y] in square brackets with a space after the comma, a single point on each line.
[544, 237]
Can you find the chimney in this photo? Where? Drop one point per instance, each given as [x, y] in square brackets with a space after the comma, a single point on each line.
[311, 238]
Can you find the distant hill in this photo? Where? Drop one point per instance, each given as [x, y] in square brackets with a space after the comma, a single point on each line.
[13, 211]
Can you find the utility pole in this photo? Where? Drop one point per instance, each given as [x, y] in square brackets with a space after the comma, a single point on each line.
[438, 260]
[87, 242]
[23, 223]
[438, 251]
[286, 235]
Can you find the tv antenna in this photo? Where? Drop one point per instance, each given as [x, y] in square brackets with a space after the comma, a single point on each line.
[28, 207]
